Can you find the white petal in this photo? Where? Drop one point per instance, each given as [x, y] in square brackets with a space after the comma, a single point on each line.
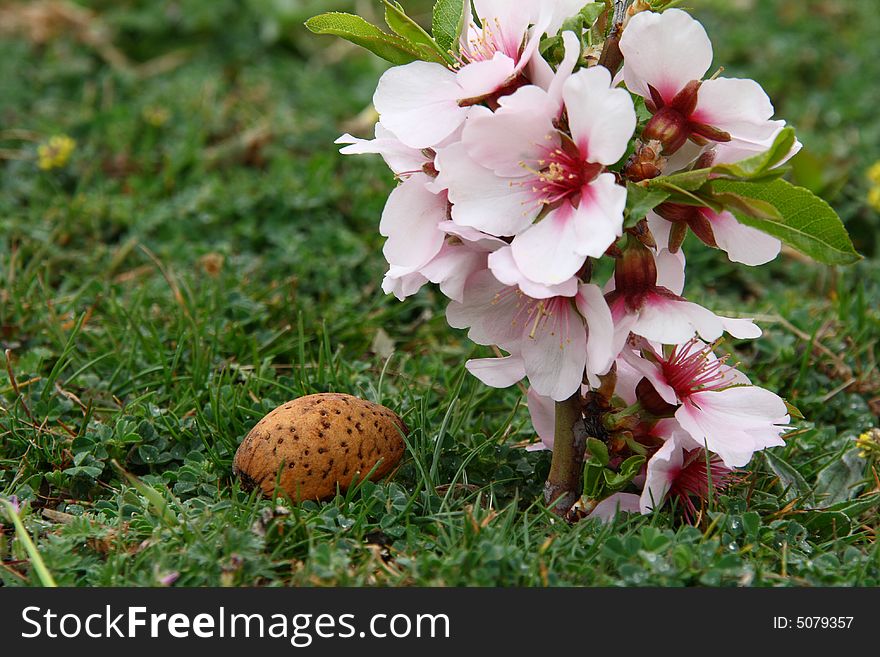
[674, 322]
[418, 102]
[504, 268]
[670, 269]
[476, 239]
[743, 243]
[543, 413]
[598, 219]
[665, 50]
[608, 508]
[545, 251]
[399, 157]
[742, 328]
[490, 310]
[555, 355]
[600, 328]
[484, 78]
[482, 200]
[518, 132]
[728, 103]
[451, 268]
[602, 119]
[409, 221]
[497, 372]
[402, 285]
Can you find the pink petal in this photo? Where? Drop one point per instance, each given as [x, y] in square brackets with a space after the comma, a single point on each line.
[418, 102]
[482, 200]
[665, 51]
[489, 309]
[607, 509]
[602, 119]
[410, 220]
[555, 354]
[475, 238]
[497, 372]
[600, 328]
[518, 132]
[743, 243]
[451, 268]
[543, 413]
[675, 322]
[662, 469]
[484, 78]
[402, 283]
[599, 217]
[504, 268]
[545, 252]
[670, 269]
[399, 157]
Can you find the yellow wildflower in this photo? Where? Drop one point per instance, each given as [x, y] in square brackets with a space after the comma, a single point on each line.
[874, 198]
[869, 443]
[54, 153]
[874, 173]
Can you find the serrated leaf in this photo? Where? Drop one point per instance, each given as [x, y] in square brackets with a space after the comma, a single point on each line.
[641, 199]
[363, 33]
[807, 223]
[447, 23]
[759, 164]
[411, 32]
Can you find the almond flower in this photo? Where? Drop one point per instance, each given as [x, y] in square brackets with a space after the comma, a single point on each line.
[552, 341]
[666, 56]
[713, 402]
[425, 102]
[516, 174]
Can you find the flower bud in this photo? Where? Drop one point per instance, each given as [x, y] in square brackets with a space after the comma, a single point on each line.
[670, 127]
[635, 273]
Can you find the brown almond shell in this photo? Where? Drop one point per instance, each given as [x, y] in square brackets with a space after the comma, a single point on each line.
[314, 443]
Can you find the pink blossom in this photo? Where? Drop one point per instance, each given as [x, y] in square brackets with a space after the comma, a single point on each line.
[665, 58]
[425, 102]
[679, 468]
[716, 404]
[514, 167]
[552, 341]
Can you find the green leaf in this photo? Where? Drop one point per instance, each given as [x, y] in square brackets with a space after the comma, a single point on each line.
[792, 481]
[841, 479]
[413, 34]
[591, 12]
[759, 164]
[598, 451]
[687, 180]
[641, 199]
[362, 33]
[828, 525]
[806, 222]
[447, 23]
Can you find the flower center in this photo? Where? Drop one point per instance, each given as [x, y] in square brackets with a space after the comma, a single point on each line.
[690, 369]
[540, 315]
[694, 476]
[560, 175]
[485, 41]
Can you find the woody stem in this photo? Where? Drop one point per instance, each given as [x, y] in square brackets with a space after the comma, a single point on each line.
[564, 483]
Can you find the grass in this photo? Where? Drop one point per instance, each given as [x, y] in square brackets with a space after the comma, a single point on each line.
[205, 255]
